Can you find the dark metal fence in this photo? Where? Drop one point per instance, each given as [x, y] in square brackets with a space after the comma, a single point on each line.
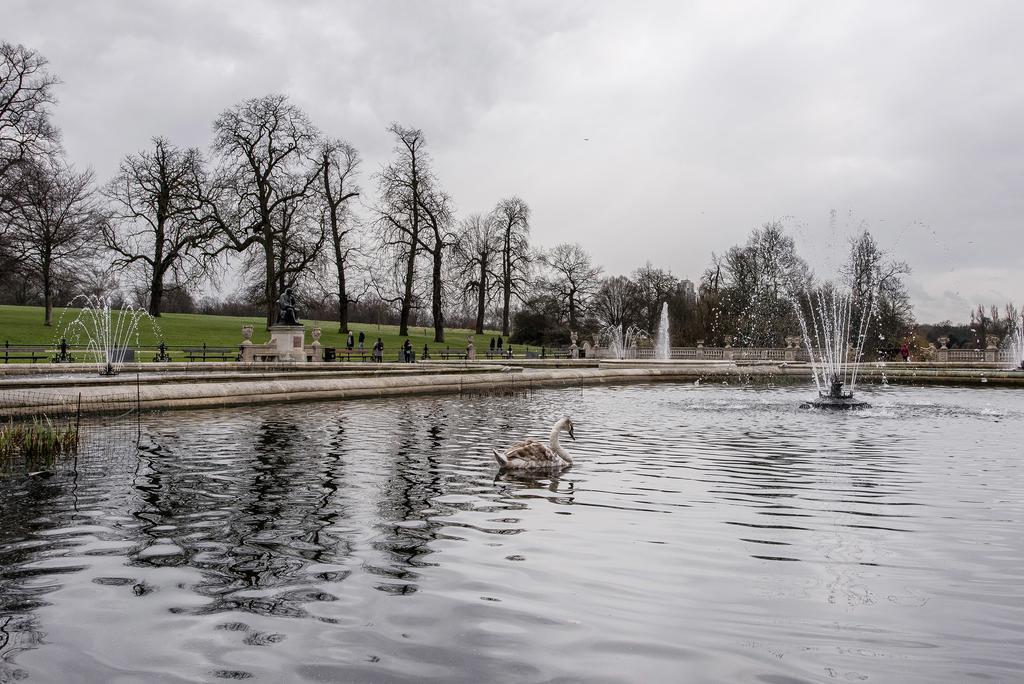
[64, 352]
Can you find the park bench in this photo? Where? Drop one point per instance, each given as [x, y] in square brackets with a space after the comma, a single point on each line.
[25, 353]
[349, 354]
[449, 354]
[205, 353]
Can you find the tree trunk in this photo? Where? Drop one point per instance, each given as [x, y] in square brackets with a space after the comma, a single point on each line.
[403, 322]
[436, 304]
[338, 258]
[47, 299]
[342, 298]
[270, 289]
[481, 298]
[572, 311]
[156, 293]
[504, 311]
[156, 286]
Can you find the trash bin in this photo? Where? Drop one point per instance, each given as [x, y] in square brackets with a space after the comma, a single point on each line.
[330, 353]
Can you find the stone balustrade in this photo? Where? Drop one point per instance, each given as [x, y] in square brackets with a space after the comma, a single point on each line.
[795, 352]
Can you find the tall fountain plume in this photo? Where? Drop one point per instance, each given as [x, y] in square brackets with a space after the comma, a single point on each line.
[107, 333]
[662, 343]
[835, 346]
[1016, 343]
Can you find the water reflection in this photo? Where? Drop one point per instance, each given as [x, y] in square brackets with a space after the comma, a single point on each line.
[722, 530]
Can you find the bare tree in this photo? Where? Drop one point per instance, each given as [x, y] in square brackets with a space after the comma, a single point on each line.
[512, 216]
[26, 96]
[300, 233]
[877, 286]
[56, 224]
[436, 240]
[654, 286]
[265, 146]
[617, 302]
[157, 223]
[758, 280]
[477, 249]
[402, 185]
[575, 278]
[339, 170]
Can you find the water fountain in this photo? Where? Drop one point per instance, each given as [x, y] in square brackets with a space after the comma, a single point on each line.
[1016, 344]
[662, 344]
[108, 334]
[835, 357]
[622, 342]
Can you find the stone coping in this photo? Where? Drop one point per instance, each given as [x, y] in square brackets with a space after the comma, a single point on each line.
[178, 367]
[255, 389]
[193, 376]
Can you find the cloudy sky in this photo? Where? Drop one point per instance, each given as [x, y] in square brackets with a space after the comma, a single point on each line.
[647, 131]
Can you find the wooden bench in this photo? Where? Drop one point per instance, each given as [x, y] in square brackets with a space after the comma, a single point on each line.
[25, 353]
[447, 354]
[349, 354]
[205, 353]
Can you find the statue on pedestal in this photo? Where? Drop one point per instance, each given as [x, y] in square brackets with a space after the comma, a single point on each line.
[287, 311]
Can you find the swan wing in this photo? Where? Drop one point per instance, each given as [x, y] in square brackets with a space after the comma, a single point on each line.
[531, 454]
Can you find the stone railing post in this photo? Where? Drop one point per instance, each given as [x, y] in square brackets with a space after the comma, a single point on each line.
[991, 348]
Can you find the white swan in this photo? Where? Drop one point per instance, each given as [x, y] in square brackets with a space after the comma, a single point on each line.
[534, 454]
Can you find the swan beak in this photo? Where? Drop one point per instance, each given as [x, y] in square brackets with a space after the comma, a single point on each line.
[571, 436]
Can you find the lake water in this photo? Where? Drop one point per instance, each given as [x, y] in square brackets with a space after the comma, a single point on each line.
[705, 534]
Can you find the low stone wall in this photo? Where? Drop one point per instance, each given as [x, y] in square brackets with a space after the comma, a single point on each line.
[264, 388]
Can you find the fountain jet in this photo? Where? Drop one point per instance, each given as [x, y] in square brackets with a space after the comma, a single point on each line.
[834, 346]
[662, 344]
[1016, 344]
[109, 334]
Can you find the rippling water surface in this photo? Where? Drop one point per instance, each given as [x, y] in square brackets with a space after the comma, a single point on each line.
[704, 534]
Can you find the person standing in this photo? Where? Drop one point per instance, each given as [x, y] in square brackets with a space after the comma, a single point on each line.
[362, 340]
[378, 350]
[350, 341]
[905, 352]
[407, 348]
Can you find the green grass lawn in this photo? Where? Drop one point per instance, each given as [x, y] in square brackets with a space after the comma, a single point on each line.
[23, 325]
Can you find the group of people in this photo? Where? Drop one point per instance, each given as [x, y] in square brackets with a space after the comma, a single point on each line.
[354, 342]
[350, 342]
[376, 353]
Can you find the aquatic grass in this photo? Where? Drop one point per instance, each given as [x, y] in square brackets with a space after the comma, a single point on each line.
[36, 445]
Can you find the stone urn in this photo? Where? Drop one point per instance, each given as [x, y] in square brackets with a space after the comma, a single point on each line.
[700, 344]
[315, 333]
[943, 341]
[728, 341]
[246, 334]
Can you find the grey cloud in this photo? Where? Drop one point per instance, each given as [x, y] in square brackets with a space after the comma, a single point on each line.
[704, 119]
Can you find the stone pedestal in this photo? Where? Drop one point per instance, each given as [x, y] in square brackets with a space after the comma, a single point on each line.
[290, 342]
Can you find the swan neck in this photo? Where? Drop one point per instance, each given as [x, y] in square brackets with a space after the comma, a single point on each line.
[555, 446]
